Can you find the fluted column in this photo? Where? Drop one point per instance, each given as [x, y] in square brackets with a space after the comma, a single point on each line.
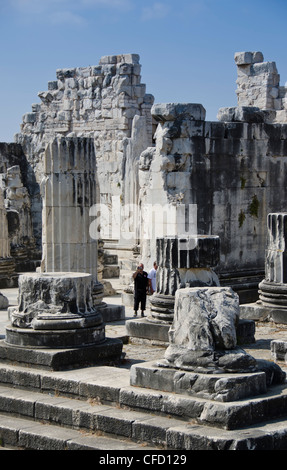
[69, 190]
[273, 289]
[7, 263]
[182, 262]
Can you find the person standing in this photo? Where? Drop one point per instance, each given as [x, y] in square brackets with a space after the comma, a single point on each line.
[141, 283]
[152, 278]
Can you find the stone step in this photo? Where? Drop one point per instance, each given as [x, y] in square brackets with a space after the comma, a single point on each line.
[24, 433]
[21, 433]
[87, 416]
[78, 403]
[109, 387]
[269, 436]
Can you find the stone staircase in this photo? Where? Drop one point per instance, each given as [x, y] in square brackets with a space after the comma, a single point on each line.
[119, 263]
[50, 411]
[96, 408]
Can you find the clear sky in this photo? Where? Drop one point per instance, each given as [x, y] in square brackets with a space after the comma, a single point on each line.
[186, 47]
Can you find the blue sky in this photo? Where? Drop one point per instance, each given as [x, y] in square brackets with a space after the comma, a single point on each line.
[186, 47]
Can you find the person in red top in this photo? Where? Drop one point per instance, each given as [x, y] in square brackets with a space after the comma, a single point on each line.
[141, 284]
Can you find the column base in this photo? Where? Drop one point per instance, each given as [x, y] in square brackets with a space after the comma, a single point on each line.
[56, 339]
[273, 294]
[162, 308]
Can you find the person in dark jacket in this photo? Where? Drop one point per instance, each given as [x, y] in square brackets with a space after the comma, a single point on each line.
[141, 284]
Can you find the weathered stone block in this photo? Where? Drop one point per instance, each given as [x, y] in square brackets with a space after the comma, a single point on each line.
[279, 350]
[217, 387]
[263, 68]
[30, 118]
[203, 334]
[4, 302]
[249, 114]
[172, 111]
[51, 295]
[243, 58]
[246, 58]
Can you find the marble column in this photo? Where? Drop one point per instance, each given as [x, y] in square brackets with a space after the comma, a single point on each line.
[182, 262]
[58, 308]
[273, 289]
[20, 228]
[69, 190]
[8, 276]
[272, 303]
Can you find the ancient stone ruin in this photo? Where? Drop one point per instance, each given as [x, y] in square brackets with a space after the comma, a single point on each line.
[203, 358]
[258, 86]
[107, 103]
[101, 177]
[165, 160]
[182, 262]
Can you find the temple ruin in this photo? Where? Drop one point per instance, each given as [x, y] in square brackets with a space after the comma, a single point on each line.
[162, 155]
[101, 177]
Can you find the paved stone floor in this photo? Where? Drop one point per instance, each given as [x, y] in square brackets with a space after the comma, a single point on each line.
[265, 333]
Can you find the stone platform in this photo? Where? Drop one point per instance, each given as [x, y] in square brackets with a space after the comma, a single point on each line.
[107, 352]
[98, 408]
[259, 312]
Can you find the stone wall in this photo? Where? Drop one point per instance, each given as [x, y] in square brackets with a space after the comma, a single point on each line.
[258, 84]
[106, 102]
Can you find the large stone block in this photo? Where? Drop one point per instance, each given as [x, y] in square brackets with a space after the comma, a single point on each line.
[172, 111]
[205, 318]
[203, 334]
[54, 300]
[251, 114]
[217, 387]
